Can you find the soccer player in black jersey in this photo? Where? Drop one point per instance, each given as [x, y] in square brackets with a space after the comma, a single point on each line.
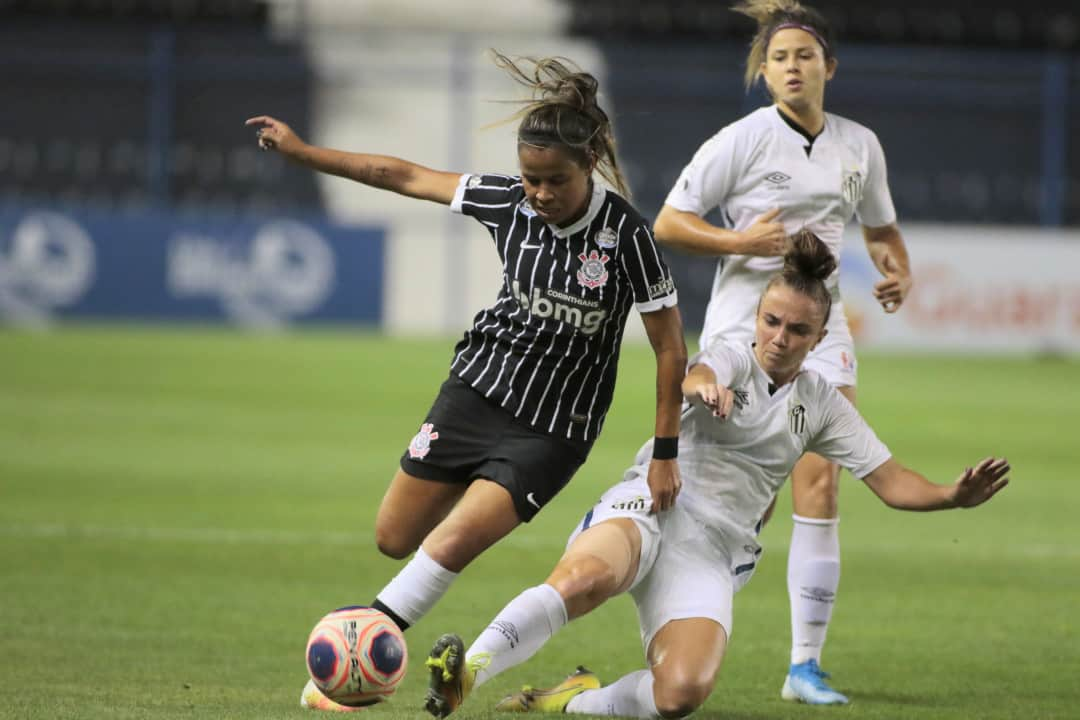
[532, 379]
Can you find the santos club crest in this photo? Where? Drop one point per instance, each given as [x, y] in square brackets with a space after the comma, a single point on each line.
[592, 273]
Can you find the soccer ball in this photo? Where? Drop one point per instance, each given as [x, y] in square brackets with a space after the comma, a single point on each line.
[356, 656]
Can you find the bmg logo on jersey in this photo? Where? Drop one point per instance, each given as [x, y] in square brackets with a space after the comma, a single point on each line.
[547, 303]
[48, 262]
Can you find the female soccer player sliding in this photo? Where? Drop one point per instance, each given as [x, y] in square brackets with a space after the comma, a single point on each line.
[531, 382]
[754, 410]
[780, 169]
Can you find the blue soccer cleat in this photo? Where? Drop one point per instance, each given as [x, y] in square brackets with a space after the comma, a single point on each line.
[806, 683]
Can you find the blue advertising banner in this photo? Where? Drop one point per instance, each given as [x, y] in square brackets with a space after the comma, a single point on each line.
[57, 264]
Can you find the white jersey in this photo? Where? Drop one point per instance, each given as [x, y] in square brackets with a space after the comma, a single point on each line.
[763, 162]
[731, 470]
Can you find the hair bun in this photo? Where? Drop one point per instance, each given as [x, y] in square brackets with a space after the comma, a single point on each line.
[809, 257]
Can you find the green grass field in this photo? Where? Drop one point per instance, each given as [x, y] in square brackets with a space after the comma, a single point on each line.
[177, 509]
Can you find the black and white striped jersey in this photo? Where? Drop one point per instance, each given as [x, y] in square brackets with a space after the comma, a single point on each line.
[547, 351]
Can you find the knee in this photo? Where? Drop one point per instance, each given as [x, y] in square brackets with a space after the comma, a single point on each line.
[679, 696]
[584, 582]
[393, 542]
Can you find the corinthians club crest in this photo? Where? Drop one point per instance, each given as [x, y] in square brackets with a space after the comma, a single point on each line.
[421, 442]
[592, 273]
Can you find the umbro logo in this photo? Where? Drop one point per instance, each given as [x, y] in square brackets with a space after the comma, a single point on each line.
[777, 178]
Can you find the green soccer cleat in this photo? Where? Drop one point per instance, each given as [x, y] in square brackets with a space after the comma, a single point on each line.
[452, 676]
[553, 700]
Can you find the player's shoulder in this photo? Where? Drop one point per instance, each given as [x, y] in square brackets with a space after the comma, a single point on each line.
[748, 128]
[850, 129]
[812, 384]
[492, 181]
[622, 213]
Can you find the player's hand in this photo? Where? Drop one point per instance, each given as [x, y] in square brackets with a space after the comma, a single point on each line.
[717, 398]
[273, 134]
[765, 237]
[892, 290]
[664, 484]
[979, 484]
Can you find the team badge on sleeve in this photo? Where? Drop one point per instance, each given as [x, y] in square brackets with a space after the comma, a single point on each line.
[421, 442]
[593, 273]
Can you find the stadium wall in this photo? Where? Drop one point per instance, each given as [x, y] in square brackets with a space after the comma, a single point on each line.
[978, 288]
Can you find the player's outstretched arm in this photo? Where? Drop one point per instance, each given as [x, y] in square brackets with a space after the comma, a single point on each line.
[905, 489]
[379, 171]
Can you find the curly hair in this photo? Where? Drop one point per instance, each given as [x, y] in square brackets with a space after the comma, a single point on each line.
[564, 111]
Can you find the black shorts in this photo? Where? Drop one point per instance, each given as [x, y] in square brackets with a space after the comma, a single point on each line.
[466, 436]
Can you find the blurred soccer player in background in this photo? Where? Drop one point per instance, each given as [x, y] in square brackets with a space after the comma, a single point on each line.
[754, 411]
[532, 379]
[780, 169]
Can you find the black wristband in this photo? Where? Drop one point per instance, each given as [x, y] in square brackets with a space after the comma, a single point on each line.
[665, 448]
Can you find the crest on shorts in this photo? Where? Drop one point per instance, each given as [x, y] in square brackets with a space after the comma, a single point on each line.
[421, 442]
[606, 238]
[592, 273]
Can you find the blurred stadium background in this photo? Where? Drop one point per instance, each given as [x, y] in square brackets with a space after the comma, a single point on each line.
[180, 502]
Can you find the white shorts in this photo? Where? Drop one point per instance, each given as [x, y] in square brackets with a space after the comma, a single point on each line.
[681, 573]
[834, 358]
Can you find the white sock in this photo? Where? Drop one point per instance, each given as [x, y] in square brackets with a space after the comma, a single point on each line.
[813, 578]
[416, 589]
[629, 696]
[518, 631]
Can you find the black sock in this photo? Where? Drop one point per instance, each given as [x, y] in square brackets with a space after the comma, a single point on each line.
[378, 605]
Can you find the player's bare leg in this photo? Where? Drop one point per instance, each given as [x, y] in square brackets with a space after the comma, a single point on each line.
[685, 657]
[410, 509]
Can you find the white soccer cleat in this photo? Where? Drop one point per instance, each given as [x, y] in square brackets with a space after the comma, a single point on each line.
[806, 683]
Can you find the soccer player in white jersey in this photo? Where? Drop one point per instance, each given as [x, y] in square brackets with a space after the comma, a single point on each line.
[532, 379]
[780, 169]
[754, 409]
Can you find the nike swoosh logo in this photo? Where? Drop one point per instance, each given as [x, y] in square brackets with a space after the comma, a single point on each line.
[532, 501]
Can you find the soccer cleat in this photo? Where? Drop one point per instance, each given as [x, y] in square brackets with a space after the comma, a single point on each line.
[452, 676]
[806, 683]
[553, 700]
[313, 699]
